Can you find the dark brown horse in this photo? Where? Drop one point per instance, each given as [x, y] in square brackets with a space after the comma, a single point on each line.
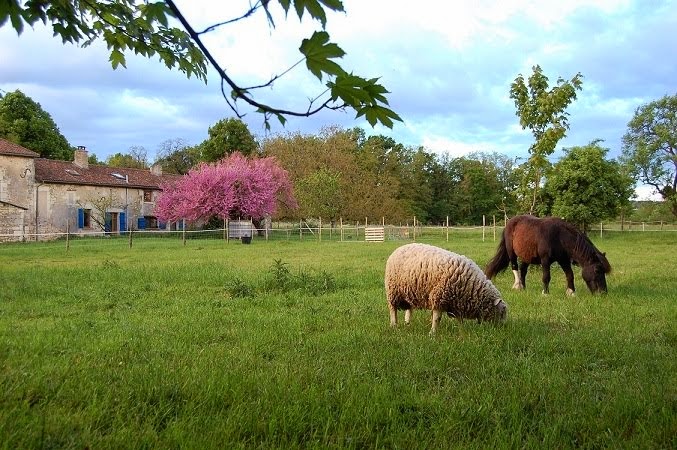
[545, 241]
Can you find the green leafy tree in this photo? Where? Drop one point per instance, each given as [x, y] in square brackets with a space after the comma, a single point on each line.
[226, 137]
[135, 159]
[93, 160]
[478, 191]
[417, 184]
[650, 211]
[542, 110]
[144, 28]
[650, 147]
[24, 122]
[507, 181]
[363, 193]
[176, 156]
[586, 188]
[320, 194]
[442, 186]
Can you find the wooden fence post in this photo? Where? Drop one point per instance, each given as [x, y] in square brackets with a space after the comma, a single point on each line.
[484, 224]
[447, 226]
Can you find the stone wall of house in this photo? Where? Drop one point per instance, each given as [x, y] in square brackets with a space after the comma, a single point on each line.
[17, 175]
[17, 179]
[12, 223]
[58, 206]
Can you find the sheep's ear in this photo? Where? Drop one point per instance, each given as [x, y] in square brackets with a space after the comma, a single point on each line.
[497, 301]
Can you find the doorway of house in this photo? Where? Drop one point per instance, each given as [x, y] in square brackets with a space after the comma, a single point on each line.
[112, 222]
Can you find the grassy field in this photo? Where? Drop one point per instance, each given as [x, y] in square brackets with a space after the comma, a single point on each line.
[287, 345]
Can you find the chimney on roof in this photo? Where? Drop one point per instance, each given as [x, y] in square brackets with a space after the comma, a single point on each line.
[81, 159]
[156, 169]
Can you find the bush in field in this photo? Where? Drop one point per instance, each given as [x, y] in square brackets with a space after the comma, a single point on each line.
[235, 187]
[281, 280]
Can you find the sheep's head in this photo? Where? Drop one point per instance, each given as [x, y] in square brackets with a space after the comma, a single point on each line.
[498, 311]
[501, 310]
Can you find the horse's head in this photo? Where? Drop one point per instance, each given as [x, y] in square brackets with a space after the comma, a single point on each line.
[594, 276]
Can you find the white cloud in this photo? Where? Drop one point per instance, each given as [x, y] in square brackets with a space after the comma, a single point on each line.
[645, 192]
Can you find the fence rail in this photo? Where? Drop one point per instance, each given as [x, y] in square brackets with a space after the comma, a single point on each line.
[323, 231]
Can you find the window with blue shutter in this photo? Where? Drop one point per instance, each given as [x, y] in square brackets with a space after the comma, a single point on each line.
[123, 222]
[108, 222]
[81, 218]
[142, 223]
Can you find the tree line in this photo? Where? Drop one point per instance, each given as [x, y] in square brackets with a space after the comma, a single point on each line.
[343, 173]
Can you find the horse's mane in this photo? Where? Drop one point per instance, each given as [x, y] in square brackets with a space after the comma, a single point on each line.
[584, 251]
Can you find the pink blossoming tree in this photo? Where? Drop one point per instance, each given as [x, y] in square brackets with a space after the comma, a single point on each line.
[235, 187]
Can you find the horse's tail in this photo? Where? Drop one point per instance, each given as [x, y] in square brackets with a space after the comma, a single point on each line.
[499, 262]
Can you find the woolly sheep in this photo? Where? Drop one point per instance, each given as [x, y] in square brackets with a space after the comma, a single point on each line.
[428, 277]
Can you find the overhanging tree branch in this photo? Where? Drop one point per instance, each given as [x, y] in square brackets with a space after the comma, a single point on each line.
[238, 92]
[143, 28]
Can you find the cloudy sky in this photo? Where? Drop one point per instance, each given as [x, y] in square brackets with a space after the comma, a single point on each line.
[449, 70]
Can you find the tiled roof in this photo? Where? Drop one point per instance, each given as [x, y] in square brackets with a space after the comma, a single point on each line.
[10, 148]
[66, 172]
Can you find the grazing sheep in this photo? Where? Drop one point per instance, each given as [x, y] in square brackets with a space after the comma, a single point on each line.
[427, 277]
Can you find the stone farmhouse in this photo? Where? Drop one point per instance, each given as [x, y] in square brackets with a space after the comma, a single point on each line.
[43, 198]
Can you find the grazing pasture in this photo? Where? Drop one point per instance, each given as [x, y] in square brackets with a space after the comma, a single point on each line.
[288, 345]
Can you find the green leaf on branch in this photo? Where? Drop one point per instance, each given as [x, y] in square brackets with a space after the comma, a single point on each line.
[281, 119]
[314, 7]
[156, 11]
[318, 52]
[376, 113]
[350, 89]
[366, 97]
[117, 58]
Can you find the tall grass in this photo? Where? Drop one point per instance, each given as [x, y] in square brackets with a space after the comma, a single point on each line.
[287, 345]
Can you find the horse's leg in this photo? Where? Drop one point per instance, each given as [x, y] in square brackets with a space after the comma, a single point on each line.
[566, 267]
[545, 264]
[524, 268]
[513, 263]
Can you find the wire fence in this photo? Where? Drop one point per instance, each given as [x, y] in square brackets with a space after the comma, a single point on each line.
[316, 231]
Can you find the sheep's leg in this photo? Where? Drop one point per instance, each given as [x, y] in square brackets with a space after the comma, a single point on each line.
[393, 315]
[407, 316]
[437, 315]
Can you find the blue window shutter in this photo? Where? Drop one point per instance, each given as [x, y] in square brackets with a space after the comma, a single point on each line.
[81, 218]
[163, 225]
[123, 222]
[142, 223]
